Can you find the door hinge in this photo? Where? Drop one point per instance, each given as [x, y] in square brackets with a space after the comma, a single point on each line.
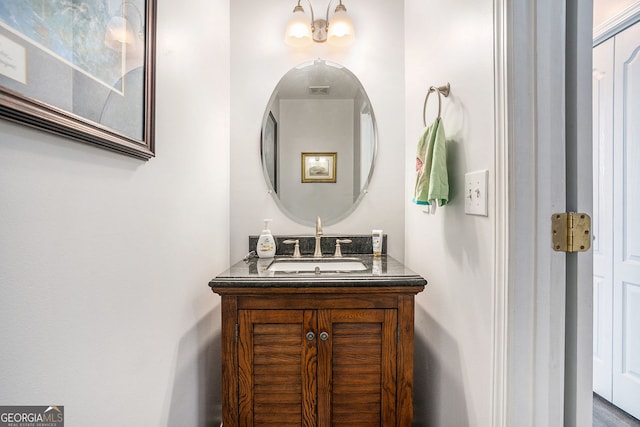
[571, 232]
[398, 333]
[237, 328]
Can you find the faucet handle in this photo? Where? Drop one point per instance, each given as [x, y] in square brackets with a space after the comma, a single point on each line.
[296, 248]
[338, 252]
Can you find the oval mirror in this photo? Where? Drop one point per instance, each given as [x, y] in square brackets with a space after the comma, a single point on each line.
[318, 142]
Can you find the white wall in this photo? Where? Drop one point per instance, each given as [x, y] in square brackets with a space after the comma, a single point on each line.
[452, 41]
[104, 259]
[259, 58]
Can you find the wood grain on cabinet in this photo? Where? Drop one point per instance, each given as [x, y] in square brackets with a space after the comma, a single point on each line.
[317, 357]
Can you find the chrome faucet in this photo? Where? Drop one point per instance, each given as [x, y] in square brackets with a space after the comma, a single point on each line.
[318, 251]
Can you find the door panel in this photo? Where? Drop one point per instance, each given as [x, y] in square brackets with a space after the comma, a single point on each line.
[359, 370]
[629, 54]
[603, 77]
[276, 368]
[631, 318]
[626, 278]
[602, 340]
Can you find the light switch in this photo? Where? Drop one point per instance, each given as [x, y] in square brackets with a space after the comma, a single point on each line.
[475, 193]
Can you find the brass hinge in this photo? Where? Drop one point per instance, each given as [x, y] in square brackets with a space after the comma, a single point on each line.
[571, 232]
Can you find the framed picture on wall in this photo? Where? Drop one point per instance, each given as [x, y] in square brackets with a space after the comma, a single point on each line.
[84, 70]
[270, 150]
[319, 167]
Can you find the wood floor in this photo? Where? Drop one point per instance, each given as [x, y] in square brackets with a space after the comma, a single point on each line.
[607, 415]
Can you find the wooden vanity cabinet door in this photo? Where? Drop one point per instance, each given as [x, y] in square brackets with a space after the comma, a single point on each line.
[344, 378]
[277, 368]
[357, 367]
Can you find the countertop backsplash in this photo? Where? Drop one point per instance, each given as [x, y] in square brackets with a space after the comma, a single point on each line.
[361, 244]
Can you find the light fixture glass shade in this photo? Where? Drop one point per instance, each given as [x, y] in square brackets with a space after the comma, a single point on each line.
[341, 30]
[298, 31]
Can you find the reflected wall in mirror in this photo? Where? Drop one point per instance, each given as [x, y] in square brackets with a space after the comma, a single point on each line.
[318, 107]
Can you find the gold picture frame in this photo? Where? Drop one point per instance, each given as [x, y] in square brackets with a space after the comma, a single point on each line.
[319, 167]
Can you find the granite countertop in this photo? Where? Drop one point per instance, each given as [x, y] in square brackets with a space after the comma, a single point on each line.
[382, 271]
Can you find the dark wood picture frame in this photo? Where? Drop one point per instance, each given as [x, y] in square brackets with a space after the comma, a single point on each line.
[269, 149]
[28, 100]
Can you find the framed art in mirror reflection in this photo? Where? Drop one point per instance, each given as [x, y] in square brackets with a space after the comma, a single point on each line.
[270, 150]
[319, 167]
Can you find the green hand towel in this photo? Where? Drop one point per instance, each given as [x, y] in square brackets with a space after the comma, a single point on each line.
[432, 181]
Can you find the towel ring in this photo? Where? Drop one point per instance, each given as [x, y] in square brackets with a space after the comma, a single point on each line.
[442, 90]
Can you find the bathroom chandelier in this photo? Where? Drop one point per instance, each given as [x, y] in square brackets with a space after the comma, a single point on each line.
[300, 32]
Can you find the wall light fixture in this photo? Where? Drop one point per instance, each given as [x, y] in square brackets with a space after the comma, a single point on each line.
[339, 31]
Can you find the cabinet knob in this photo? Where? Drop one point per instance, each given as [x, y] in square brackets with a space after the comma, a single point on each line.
[310, 336]
[324, 336]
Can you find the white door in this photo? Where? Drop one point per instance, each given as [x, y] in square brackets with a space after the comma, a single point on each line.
[550, 294]
[626, 238]
[602, 225]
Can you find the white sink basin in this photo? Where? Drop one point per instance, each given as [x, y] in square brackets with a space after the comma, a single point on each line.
[310, 265]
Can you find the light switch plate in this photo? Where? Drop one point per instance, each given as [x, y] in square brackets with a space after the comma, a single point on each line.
[475, 193]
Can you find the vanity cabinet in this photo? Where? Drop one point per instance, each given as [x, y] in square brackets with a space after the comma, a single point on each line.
[317, 356]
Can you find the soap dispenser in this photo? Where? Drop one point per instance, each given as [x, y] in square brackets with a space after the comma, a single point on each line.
[266, 243]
